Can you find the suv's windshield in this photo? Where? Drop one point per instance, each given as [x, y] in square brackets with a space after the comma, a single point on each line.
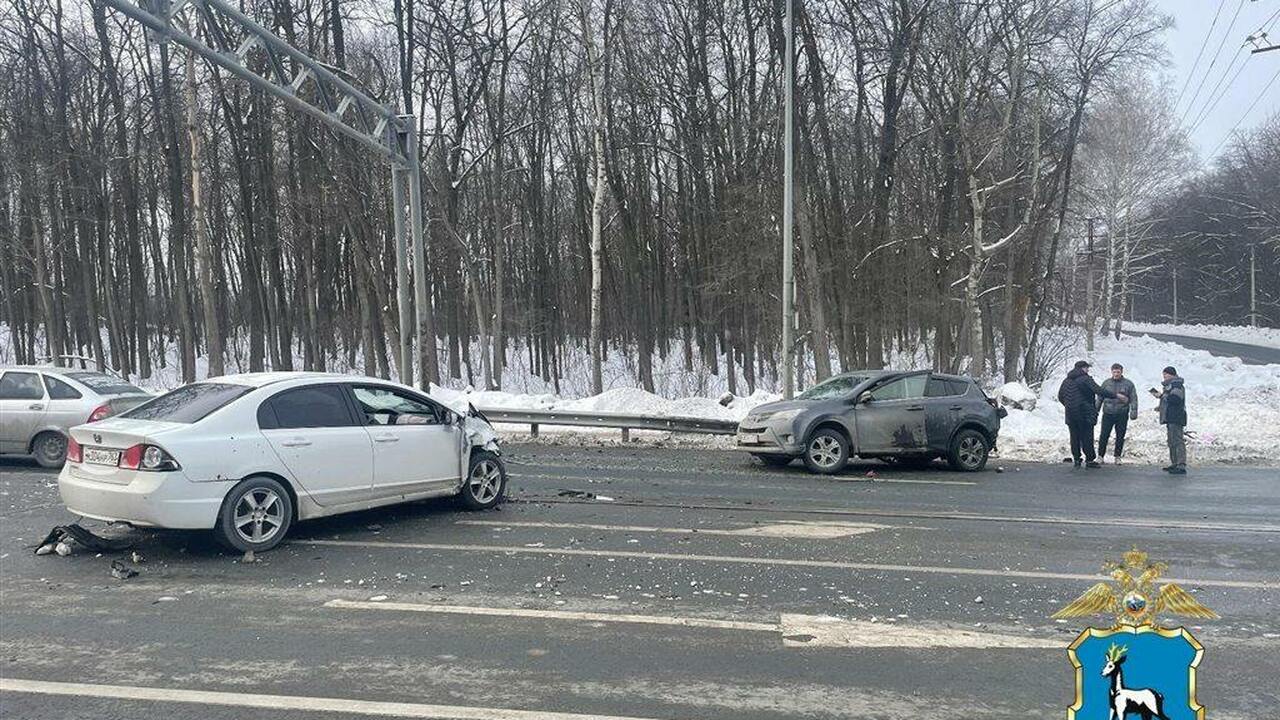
[835, 387]
[103, 384]
[188, 404]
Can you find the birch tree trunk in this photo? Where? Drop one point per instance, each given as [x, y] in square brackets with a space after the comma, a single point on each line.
[204, 251]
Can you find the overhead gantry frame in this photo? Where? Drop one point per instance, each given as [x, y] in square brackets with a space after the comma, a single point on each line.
[236, 43]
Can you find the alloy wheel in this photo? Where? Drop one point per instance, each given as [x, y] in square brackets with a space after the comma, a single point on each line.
[259, 515]
[485, 481]
[824, 451]
[970, 451]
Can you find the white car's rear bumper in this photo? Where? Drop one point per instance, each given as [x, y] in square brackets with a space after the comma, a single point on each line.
[160, 499]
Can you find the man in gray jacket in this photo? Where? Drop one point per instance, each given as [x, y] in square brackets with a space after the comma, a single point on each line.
[1116, 411]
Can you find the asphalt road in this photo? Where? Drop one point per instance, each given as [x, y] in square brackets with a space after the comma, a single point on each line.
[1248, 354]
[692, 585]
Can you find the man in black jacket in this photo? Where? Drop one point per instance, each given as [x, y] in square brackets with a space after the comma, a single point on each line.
[1173, 415]
[1077, 394]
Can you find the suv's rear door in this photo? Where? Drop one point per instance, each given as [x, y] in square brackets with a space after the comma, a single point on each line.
[316, 434]
[891, 420]
[944, 409]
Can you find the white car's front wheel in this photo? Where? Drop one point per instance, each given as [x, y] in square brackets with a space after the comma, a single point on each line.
[486, 482]
[255, 515]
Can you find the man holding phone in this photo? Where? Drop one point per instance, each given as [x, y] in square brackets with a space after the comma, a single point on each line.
[1173, 415]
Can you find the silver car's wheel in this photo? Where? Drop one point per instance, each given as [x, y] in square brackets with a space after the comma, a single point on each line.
[486, 482]
[50, 449]
[826, 452]
[255, 515]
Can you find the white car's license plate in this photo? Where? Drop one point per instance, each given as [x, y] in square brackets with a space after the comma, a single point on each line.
[99, 456]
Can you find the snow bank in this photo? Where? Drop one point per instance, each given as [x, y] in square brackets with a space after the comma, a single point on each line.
[1266, 337]
[1233, 408]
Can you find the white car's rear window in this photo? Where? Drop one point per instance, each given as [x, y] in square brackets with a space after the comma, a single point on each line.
[189, 403]
[103, 384]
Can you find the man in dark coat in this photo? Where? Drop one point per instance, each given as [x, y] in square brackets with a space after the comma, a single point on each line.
[1173, 415]
[1078, 394]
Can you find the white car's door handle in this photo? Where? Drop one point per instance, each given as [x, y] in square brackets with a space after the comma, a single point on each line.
[295, 442]
[386, 438]
[35, 406]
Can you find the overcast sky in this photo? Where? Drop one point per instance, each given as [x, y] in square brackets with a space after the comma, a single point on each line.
[1193, 22]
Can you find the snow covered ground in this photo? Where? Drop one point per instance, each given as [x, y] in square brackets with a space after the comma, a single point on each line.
[1233, 408]
[1266, 337]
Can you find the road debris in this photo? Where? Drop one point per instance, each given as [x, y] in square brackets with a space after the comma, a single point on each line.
[137, 557]
[120, 571]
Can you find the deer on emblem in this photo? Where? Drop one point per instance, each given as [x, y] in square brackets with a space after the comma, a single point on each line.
[1146, 703]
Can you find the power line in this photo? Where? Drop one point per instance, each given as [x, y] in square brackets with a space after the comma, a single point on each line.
[1214, 60]
[1196, 64]
[1252, 105]
[1220, 90]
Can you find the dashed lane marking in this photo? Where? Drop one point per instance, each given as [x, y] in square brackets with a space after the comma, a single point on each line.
[346, 707]
[838, 478]
[795, 630]
[790, 529]
[789, 562]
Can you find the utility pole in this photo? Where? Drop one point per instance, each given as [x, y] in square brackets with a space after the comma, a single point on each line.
[1253, 285]
[788, 172]
[1088, 292]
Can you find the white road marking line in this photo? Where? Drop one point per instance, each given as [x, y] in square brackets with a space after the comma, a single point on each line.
[589, 617]
[738, 559]
[795, 631]
[838, 478]
[785, 529]
[1171, 524]
[289, 702]
[827, 631]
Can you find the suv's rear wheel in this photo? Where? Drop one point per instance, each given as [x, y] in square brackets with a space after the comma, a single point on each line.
[50, 449]
[486, 483]
[255, 515]
[969, 450]
[826, 452]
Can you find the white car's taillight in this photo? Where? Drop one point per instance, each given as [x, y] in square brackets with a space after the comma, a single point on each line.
[147, 457]
[74, 452]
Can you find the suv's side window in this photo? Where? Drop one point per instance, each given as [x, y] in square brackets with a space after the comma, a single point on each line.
[945, 387]
[385, 406]
[905, 388]
[314, 406]
[21, 386]
[59, 390]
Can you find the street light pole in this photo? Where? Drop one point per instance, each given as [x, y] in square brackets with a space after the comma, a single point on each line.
[788, 211]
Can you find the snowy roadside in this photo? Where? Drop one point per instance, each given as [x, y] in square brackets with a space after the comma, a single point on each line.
[1261, 336]
[1234, 409]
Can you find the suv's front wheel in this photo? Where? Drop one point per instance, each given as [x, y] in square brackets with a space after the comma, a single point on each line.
[969, 451]
[827, 451]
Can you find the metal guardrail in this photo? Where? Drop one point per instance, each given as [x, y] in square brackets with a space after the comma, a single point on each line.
[626, 423]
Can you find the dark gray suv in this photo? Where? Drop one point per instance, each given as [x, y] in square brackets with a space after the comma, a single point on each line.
[907, 418]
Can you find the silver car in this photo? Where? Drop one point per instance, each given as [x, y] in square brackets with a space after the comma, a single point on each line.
[39, 404]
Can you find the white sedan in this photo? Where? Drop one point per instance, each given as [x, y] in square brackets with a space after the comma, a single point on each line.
[249, 455]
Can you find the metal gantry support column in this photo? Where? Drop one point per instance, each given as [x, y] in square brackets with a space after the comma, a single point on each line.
[425, 343]
[404, 357]
[788, 211]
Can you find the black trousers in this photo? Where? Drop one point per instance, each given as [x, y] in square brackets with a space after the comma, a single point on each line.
[1081, 438]
[1121, 424]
